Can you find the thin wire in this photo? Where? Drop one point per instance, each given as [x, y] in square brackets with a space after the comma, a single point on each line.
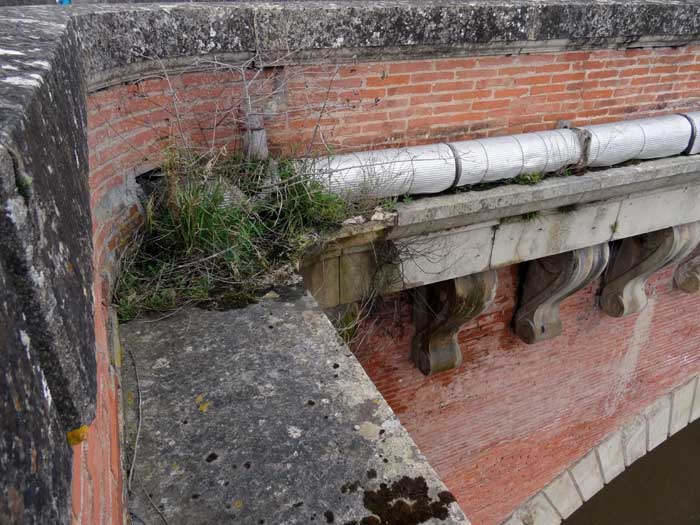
[138, 426]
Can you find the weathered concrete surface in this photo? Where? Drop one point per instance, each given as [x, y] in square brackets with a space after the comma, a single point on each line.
[45, 226]
[261, 415]
[35, 460]
[119, 40]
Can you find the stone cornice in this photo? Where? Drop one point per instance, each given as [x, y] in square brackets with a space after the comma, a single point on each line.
[439, 238]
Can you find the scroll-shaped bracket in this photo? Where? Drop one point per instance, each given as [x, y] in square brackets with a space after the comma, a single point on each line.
[636, 259]
[687, 276]
[550, 280]
[440, 310]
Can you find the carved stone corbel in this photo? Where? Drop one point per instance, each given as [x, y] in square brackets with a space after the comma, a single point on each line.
[687, 276]
[440, 310]
[635, 259]
[550, 280]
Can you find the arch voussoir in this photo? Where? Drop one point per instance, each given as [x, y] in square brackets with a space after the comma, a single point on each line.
[640, 434]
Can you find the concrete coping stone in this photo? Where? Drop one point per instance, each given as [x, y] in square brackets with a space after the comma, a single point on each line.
[444, 212]
[117, 42]
[263, 415]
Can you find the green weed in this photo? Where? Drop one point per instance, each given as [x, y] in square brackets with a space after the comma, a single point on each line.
[528, 178]
[220, 226]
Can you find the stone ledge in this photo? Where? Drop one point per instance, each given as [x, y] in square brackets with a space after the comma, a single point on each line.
[440, 238]
[262, 414]
[461, 209]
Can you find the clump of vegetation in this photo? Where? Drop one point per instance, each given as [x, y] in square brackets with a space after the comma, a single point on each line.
[528, 178]
[219, 227]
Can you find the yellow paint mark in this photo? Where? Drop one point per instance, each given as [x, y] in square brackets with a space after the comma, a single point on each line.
[130, 397]
[78, 435]
[204, 406]
[238, 503]
[199, 398]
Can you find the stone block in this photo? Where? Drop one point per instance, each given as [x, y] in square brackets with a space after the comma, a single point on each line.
[537, 511]
[611, 458]
[587, 476]
[553, 232]
[300, 401]
[695, 412]
[681, 406]
[656, 210]
[445, 255]
[35, 460]
[658, 416]
[321, 278]
[356, 273]
[562, 493]
[634, 440]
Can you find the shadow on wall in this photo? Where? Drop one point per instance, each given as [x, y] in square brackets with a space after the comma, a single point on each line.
[661, 488]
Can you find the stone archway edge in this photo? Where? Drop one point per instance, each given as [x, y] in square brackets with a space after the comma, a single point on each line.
[639, 435]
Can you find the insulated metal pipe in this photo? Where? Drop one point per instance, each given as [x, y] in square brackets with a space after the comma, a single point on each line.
[389, 172]
[506, 157]
[649, 138]
[438, 167]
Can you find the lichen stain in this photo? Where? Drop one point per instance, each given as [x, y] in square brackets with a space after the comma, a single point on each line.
[202, 405]
[350, 487]
[404, 502]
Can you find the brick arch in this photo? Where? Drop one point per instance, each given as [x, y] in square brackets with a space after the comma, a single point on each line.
[638, 436]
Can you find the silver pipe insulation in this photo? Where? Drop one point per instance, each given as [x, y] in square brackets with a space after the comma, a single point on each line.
[437, 167]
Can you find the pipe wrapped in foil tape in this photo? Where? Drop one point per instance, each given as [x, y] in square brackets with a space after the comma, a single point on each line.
[498, 158]
[389, 172]
[649, 138]
[438, 167]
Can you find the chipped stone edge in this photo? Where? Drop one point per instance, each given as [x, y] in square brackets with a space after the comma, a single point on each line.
[648, 429]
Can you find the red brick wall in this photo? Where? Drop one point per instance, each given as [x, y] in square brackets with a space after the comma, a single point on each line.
[97, 473]
[356, 106]
[513, 416]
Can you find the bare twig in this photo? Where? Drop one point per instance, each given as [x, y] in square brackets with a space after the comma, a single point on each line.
[155, 507]
[138, 424]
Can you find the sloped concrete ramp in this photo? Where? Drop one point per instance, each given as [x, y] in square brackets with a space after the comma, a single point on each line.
[262, 415]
